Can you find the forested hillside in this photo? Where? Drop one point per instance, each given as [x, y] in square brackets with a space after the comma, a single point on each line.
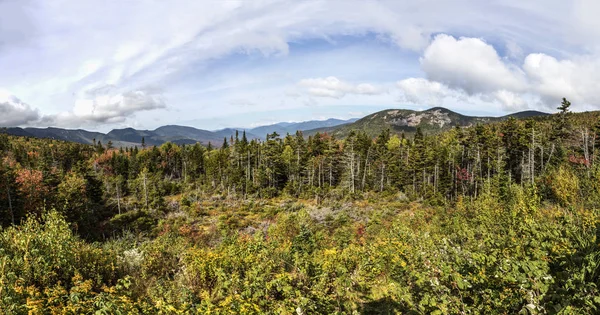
[433, 120]
[496, 218]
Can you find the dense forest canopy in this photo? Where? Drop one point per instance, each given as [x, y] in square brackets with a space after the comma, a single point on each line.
[493, 218]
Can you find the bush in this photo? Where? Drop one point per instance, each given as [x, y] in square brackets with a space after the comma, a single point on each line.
[43, 254]
[564, 186]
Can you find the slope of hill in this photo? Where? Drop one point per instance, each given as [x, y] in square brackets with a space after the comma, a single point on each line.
[402, 120]
[177, 133]
[230, 132]
[527, 114]
[291, 128]
[79, 135]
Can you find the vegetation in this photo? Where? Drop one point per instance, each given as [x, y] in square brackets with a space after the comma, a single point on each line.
[495, 219]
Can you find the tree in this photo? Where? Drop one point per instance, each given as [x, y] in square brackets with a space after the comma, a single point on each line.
[7, 181]
[70, 190]
[32, 189]
[561, 131]
[564, 106]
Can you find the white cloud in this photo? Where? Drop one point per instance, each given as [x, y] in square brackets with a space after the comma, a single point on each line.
[510, 101]
[469, 64]
[472, 66]
[576, 79]
[336, 88]
[108, 105]
[424, 92]
[13, 112]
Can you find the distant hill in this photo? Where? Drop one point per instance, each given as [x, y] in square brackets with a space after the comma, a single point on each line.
[284, 128]
[402, 120]
[173, 133]
[170, 133]
[230, 132]
[124, 137]
[78, 135]
[527, 114]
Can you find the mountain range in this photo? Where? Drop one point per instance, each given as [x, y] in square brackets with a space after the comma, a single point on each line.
[397, 120]
[170, 133]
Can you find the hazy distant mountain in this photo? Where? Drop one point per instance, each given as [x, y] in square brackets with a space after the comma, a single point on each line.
[402, 120]
[133, 135]
[291, 128]
[79, 135]
[172, 133]
[230, 132]
[527, 114]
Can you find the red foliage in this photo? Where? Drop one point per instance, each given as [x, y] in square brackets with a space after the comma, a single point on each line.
[462, 174]
[31, 186]
[33, 155]
[9, 161]
[579, 160]
[103, 160]
[325, 136]
[360, 232]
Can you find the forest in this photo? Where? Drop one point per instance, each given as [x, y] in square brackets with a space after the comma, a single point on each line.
[498, 218]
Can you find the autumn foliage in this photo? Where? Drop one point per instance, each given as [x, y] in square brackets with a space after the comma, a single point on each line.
[490, 219]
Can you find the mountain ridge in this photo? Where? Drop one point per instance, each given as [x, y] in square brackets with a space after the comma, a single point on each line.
[169, 133]
[434, 119]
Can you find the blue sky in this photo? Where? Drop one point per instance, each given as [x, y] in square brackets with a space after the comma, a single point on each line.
[109, 64]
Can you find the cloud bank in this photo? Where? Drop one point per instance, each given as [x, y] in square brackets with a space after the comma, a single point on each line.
[462, 68]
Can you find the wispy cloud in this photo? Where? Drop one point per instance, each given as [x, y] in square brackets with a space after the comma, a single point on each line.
[208, 54]
[336, 88]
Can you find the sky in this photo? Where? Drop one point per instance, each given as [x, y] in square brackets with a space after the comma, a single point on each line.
[107, 64]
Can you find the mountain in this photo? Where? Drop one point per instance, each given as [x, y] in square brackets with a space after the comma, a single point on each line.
[291, 128]
[123, 137]
[397, 120]
[402, 120]
[170, 133]
[527, 114]
[16, 131]
[79, 135]
[174, 132]
[133, 136]
[230, 132]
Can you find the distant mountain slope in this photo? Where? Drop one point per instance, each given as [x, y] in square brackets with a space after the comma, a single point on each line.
[79, 135]
[402, 120]
[230, 132]
[172, 133]
[398, 120]
[291, 128]
[16, 131]
[527, 114]
[125, 136]
[133, 135]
